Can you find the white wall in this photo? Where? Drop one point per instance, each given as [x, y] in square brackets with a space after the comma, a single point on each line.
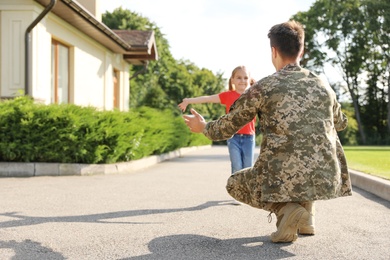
[40, 67]
[16, 16]
[13, 25]
[91, 64]
[93, 6]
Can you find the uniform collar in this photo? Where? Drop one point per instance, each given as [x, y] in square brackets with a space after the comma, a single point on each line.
[291, 66]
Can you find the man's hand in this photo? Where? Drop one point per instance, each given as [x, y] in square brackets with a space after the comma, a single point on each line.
[195, 122]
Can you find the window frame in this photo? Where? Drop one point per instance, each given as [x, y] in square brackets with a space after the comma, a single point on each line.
[55, 61]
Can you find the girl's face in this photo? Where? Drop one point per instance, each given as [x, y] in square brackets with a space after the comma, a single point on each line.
[241, 80]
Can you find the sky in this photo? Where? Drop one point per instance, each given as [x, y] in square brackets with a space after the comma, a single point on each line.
[218, 35]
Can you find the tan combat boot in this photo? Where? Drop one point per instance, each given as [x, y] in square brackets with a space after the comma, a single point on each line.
[308, 228]
[290, 217]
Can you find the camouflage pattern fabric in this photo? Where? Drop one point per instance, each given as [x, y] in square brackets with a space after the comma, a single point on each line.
[243, 186]
[301, 157]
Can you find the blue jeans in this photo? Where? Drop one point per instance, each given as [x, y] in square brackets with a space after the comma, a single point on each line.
[241, 151]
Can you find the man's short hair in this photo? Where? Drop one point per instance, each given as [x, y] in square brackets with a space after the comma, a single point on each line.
[288, 38]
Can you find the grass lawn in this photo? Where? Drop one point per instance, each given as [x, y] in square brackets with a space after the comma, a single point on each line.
[374, 160]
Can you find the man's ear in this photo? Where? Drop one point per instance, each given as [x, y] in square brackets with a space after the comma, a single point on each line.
[274, 52]
[301, 55]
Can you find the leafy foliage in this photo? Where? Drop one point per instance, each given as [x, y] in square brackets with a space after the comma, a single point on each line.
[349, 135]
[166, 81]
[66, 133]
[353, 37]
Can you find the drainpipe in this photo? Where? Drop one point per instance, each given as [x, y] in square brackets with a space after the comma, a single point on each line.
[27, 44]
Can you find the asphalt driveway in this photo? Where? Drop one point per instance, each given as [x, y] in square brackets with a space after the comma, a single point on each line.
[177, 209]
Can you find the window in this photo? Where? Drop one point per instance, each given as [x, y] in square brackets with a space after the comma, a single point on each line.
[116, 81]
[59, 73]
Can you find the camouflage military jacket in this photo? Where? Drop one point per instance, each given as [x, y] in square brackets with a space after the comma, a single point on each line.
[301, 158]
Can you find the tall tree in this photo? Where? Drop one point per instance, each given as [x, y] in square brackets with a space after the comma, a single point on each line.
[144, 84]
[164, 83]
[337, 36]
[378, 20]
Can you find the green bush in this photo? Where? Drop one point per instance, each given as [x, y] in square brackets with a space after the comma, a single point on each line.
[31, 132]
[349, 135]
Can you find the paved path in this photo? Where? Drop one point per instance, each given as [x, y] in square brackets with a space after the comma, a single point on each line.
[177, 209]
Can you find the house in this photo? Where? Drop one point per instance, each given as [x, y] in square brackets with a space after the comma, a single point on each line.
[59, 51]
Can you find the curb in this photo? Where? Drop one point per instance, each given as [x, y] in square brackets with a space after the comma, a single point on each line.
[375, 185]
[18, 169]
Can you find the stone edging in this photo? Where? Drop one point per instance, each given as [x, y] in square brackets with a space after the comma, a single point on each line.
[11, 169]
[375, 185]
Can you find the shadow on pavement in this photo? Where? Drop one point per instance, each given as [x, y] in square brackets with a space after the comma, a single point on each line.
[372, 197]
[28, 249]
[196, 247]
[22, 220]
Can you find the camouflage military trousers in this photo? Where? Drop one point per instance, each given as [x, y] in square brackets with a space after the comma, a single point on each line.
[244, 187]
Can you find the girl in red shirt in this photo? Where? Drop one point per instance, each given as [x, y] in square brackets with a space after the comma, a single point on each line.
[241, 145]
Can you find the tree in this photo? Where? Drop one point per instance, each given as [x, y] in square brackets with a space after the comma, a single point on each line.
[338, 33]
[164, 83]
[378, 13]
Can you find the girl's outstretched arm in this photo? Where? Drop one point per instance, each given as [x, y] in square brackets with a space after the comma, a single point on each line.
[198, 100]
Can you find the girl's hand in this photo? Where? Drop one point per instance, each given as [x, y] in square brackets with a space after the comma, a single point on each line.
[183, 105]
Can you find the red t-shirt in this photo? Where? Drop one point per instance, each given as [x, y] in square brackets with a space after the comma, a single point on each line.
[227, 98]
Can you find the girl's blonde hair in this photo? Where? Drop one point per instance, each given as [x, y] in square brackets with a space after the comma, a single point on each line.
[231, 85]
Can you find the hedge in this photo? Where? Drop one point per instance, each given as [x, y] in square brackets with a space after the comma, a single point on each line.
[67, 133]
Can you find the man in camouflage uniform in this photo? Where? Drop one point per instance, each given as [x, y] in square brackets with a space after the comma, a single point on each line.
[301, 158]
